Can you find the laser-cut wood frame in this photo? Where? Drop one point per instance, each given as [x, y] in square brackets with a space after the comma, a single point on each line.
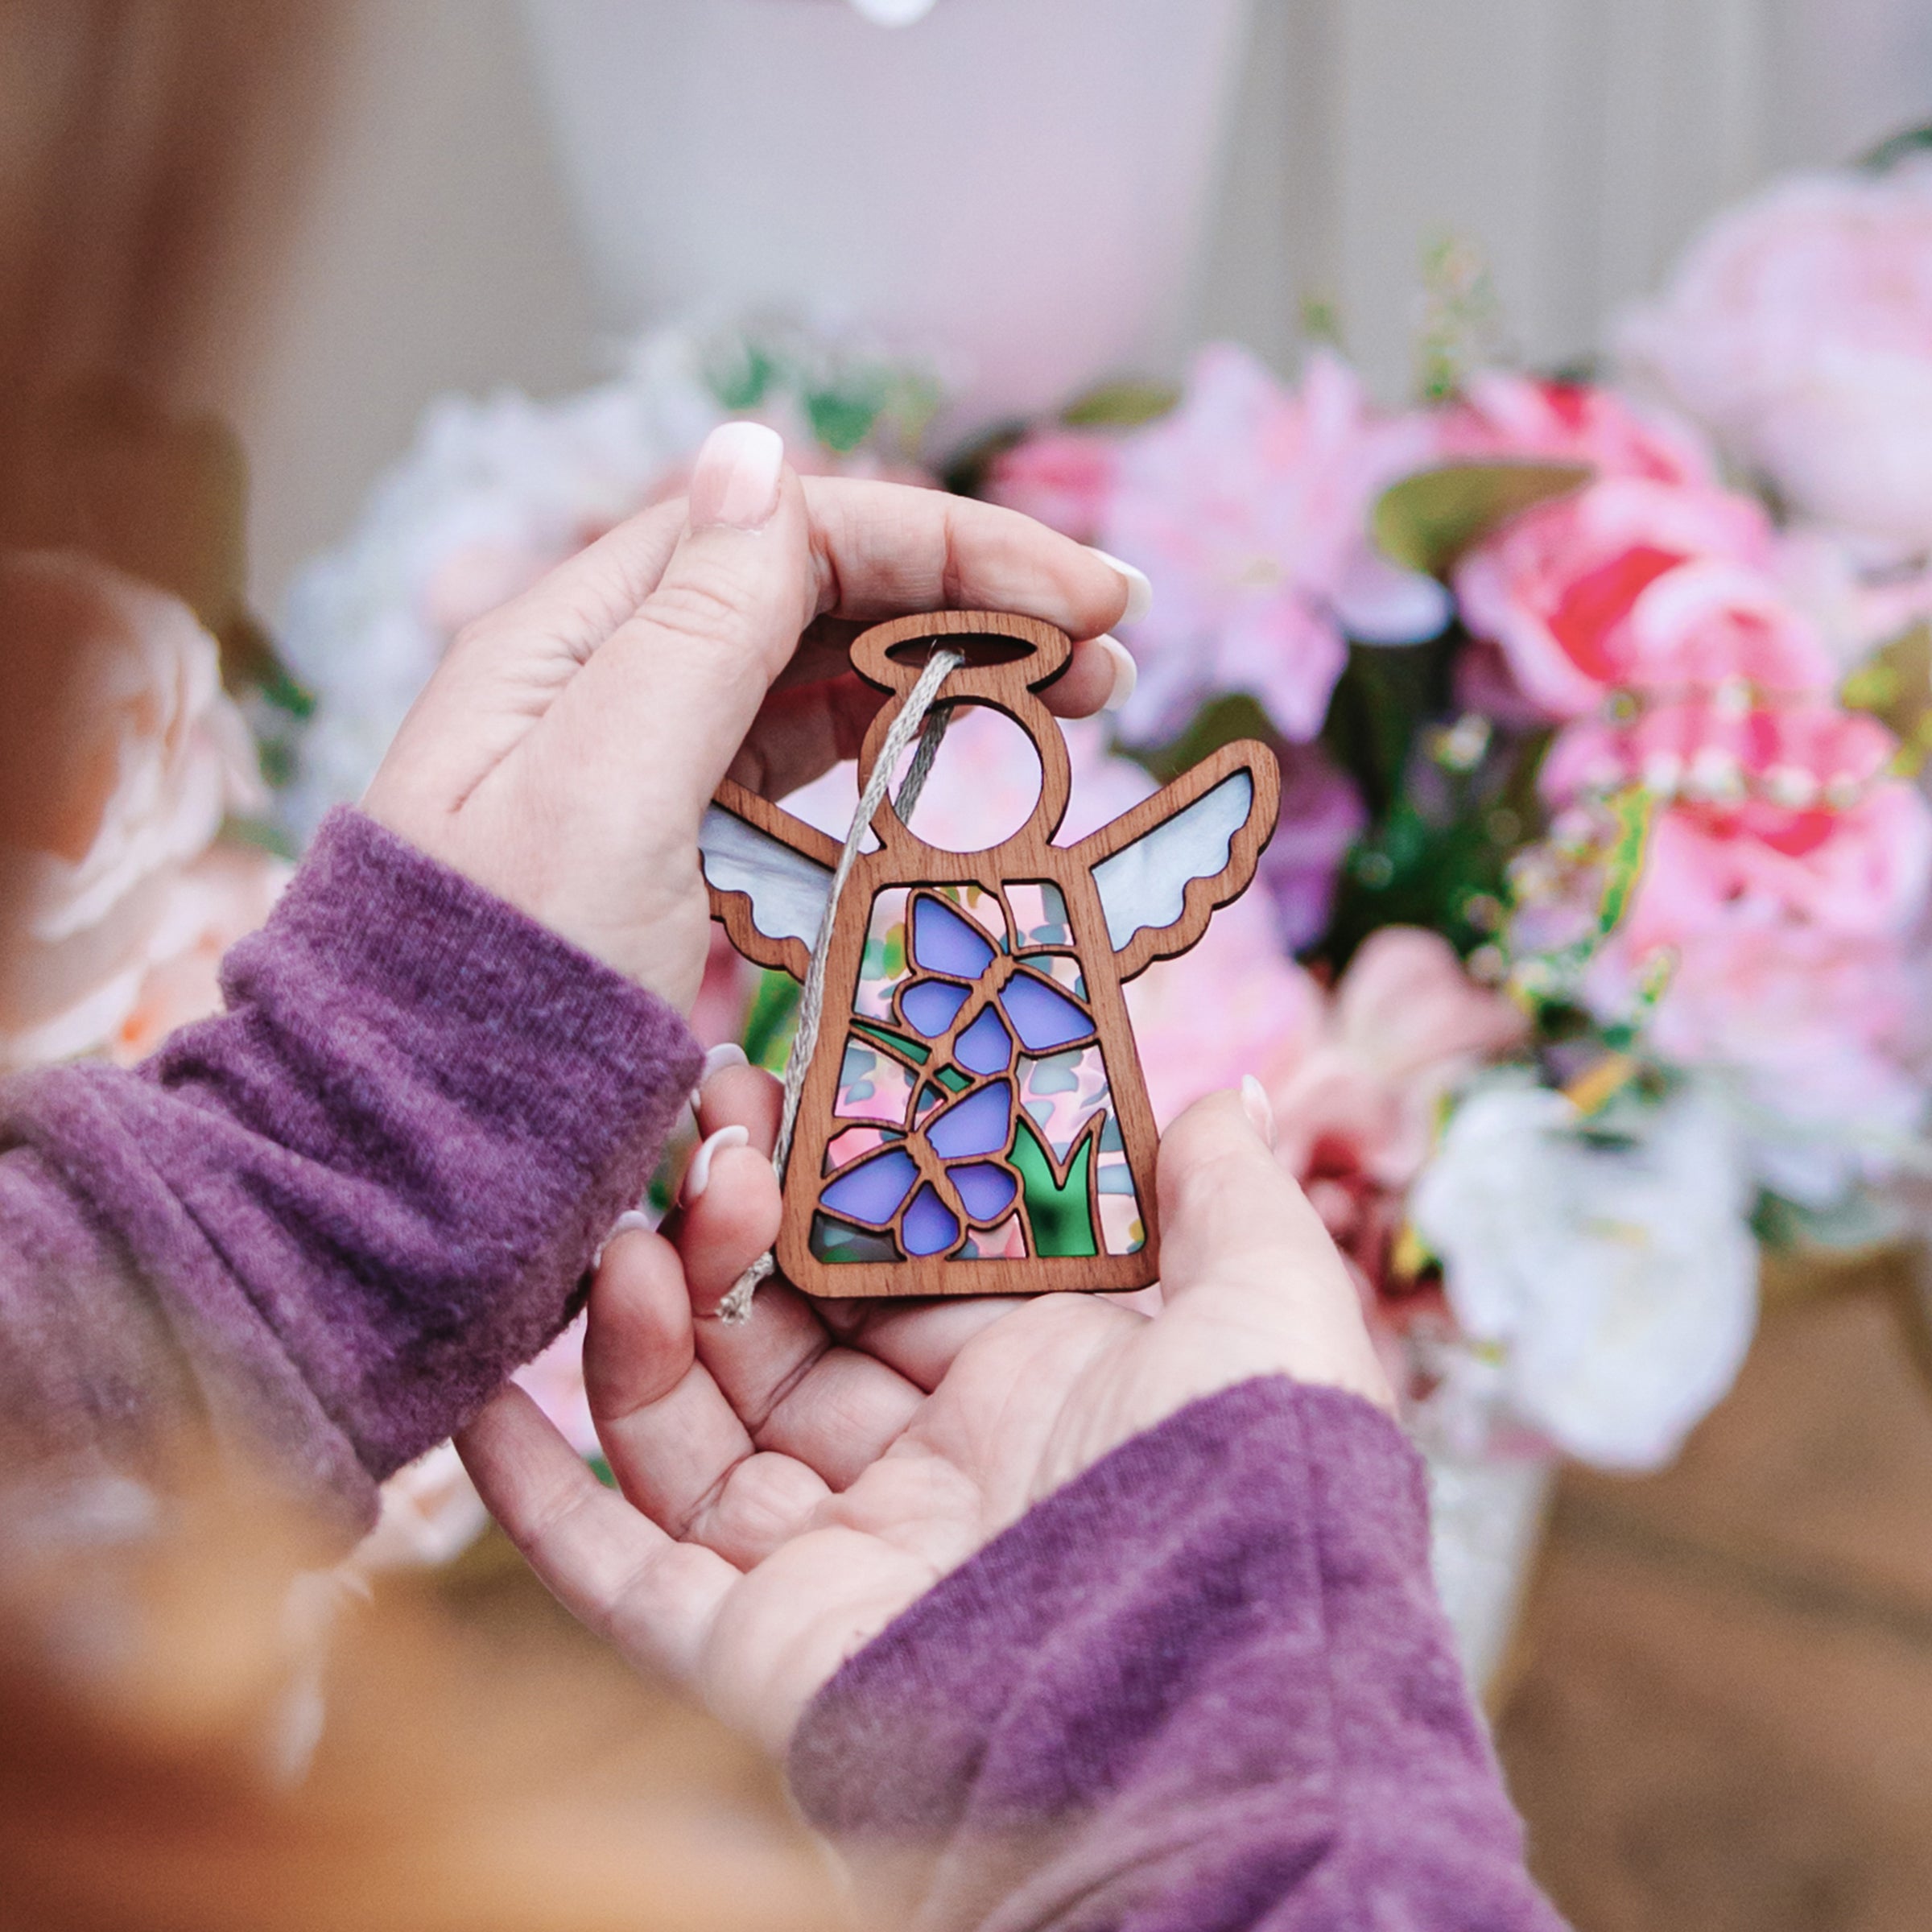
[883, 656]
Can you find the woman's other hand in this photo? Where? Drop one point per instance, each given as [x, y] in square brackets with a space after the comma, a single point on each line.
[564, 751]
[786, 1487]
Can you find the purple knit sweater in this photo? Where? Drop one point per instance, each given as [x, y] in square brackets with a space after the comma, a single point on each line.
[1206, 1685]
[327, 1224]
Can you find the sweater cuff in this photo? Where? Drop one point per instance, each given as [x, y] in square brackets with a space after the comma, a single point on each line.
[492, 1096]
[1026, 1685]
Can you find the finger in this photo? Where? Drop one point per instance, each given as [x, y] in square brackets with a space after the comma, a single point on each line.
[616, 1570]
[1240, 1243]
[803, 730]
[920, 1339]
[885, 548]
[730, 1223]
[576, 605]
[743, 1096]
[1228, 1210]
[674, 689]
[674, 1445]
[837, 1410]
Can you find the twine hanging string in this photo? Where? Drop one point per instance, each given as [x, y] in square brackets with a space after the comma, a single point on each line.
[914, 718]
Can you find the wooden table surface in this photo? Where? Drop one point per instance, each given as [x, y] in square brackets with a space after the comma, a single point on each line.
[1719, 1712]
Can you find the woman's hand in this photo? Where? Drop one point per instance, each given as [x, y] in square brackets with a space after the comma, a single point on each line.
[788, 1487]
[566, 748]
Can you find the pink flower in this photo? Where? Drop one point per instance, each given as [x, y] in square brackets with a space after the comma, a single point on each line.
[1771, 816]
[1501, 414]
[1322, 815]
[1785, 875]
[1236, 1004]
[1580, 593]
[1248, 508]
[1356, 1076]
[1064, 477]
[1403, 1025]
[1798, 327]
[223, 897]
[120, 755]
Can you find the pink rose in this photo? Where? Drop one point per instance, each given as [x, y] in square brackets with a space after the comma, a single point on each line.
[119, 755]
[1063, 478]
[1248, 507]
[1785, 875]
[1798, 327]
[226, 894]
[1501, 414]
[1770, 815]
[1576, 591]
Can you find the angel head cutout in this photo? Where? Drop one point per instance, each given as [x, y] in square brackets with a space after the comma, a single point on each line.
[974, 1119]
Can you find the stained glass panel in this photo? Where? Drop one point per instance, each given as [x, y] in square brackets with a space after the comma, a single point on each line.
[1017, 1112]
[945, 941]
[929, 1226]
[872, 1191]
[1039, 915]
[873, 1085]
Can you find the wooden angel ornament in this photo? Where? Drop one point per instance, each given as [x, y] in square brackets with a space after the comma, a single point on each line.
[974, 1119]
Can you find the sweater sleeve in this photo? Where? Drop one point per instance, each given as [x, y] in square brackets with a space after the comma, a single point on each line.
[321, 1228]
[1205, 1687]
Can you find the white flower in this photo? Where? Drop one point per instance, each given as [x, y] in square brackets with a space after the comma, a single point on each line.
[494, 493]
[1614, 1276]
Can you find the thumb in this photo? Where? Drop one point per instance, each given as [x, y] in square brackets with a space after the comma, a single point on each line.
[1240, 1245]
[679, 683]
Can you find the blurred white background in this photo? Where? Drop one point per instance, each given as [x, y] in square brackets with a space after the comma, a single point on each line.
[1576, 143]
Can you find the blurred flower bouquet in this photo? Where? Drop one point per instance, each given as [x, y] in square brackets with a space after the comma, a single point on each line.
[1600, 941]
[1590, 952]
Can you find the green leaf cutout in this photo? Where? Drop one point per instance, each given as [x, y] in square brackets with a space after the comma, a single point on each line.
[1057, 1213]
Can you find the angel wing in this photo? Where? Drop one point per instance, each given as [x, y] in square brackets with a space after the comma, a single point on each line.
[769, 875]
[1161, 869]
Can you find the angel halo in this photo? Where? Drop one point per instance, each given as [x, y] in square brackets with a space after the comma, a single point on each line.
[974, 1119]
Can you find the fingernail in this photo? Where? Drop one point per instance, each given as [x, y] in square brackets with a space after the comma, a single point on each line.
[1126, 673]
[697, 1176]
[1257, 1105]
[1140, 592]
[731, 1053]
[735, 480]
[630, 1218]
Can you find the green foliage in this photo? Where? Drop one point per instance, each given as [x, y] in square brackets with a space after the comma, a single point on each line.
[1426, 521]
[1382, 700]
[741, 376]
[1409, 870]
[1859, 1220]
[1896, 148]
[1896, 688]
[260, 833]
[1448, 806]
[1122, 405]
[771, 1020]
[847, 398]
[842, 419]
[1219, 722]
[1462, 328]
